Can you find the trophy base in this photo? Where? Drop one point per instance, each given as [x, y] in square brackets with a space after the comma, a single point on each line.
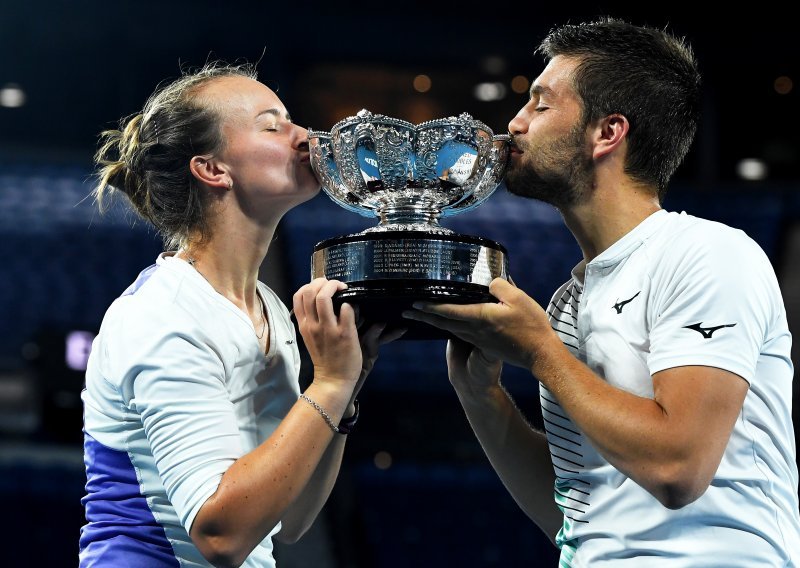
[387, 272]
[384, 302]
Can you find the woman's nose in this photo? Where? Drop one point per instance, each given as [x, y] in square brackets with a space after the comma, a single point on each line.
[300, 137]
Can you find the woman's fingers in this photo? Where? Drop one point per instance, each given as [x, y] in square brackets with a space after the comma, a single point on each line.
[323, 302]
[314, 301]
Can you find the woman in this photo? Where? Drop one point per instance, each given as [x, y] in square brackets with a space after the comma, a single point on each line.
[199, 447]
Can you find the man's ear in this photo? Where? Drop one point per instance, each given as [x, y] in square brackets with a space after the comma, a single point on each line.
[210, 172]
[609, 134]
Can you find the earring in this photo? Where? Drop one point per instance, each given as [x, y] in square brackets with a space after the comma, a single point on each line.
[230, 184]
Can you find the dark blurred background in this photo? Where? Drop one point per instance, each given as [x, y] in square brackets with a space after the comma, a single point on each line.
[415, 487]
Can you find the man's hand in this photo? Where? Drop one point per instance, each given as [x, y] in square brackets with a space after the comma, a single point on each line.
[471, 371]
[513, 330]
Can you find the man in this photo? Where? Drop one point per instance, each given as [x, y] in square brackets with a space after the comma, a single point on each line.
[663, 363]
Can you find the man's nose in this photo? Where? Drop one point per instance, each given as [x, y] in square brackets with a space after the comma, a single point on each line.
[519, 124]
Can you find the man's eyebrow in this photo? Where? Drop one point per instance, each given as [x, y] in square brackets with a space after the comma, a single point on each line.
[274, 112]
[538, 90]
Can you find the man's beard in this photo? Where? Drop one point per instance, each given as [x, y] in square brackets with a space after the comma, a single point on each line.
[562, 175]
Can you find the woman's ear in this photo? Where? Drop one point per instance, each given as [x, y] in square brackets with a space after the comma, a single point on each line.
[211, 173]
[610, 133]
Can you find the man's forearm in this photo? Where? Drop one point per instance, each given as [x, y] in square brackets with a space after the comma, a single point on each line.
[518, 453]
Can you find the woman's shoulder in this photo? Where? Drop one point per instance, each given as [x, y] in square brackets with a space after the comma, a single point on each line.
[159, 301]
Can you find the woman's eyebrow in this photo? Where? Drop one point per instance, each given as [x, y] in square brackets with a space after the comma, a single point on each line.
[274, 112]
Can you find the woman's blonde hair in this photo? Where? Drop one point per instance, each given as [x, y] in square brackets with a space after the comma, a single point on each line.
[147, 158]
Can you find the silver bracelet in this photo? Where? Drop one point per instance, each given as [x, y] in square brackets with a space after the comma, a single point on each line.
[321, 410]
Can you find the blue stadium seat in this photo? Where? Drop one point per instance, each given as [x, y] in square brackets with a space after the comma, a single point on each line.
[445, 514]
[759, 213]
[63, 262]
[43, 488]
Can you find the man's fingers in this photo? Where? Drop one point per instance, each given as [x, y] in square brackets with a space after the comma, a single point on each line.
[454, 326]
[502, 289]
[458, 312]
[392, 335]
[372, 335]
[458, 348]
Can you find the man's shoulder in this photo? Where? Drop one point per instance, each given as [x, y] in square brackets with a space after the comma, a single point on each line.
[703, 248]
[685, 232]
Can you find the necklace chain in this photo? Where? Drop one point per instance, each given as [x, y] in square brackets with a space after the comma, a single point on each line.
[263, 316]
[192, 260]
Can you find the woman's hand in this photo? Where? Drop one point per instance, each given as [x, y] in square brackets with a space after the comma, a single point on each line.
[332, 341]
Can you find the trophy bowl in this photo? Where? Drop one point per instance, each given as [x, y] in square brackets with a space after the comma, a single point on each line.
[408, 177]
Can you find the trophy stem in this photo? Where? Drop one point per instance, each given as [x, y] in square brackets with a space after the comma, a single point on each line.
[410, 217]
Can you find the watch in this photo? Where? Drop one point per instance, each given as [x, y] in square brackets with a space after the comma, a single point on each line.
[346, 425]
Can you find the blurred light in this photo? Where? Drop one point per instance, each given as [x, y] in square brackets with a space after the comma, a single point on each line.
[520, 84]
[78, 346]
[489, 91]
[382, 460]
[751, 169]
[493, 64]
[783, 85]
[12, 96]
[422, 83]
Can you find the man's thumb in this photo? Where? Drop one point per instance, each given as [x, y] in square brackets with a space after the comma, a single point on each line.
[501, 289]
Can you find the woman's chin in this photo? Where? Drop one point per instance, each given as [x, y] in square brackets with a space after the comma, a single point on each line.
[308, 190]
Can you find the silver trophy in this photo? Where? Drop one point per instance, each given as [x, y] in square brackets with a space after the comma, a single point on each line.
[409, 177]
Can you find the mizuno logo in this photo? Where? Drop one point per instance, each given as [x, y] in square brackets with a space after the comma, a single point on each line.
[619, 305]
[707, 332]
